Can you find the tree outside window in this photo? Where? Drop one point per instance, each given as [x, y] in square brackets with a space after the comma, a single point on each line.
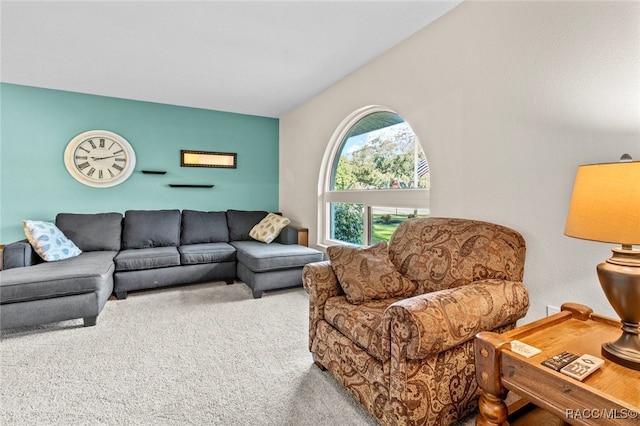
[380, 153]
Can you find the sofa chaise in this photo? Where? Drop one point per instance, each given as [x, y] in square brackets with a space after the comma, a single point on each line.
[395, 326]
[141, 250]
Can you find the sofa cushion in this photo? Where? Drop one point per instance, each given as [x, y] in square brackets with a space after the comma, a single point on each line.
[203, 227]
[92, 232]
[261, 257]
[149, 258]
[269, 228]
[241, 222]
[362, 324]
[194, 254]
[85, 273]
[151, 228]
[48, 241]
[367, 273]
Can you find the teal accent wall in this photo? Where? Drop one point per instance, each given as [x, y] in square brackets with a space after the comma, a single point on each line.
[37, 124]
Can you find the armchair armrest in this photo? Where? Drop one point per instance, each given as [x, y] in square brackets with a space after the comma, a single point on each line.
[434, 322]
[18, 255]
[320, 283]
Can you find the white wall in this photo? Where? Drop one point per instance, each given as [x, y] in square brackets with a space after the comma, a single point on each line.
[507, 98]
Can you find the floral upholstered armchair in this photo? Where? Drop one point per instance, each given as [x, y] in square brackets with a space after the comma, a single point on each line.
[395, 325]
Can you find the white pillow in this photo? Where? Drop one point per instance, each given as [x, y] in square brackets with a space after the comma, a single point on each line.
[48, 241]
[269, 228]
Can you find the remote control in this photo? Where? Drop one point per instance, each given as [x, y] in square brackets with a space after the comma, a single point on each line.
[558, 362]
[582, 367]
[523, 349]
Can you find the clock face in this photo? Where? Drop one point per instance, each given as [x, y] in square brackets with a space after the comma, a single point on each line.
[99, 158]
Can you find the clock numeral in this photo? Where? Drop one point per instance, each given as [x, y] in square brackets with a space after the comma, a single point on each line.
[111, 146]
[99, 174]
[91, 172]
[81, 157]
[101, 143]
[93, 145]
[117, 167]
[84, 149]
[111, 173]
[120, 151]
[83, 166]
[122, 160]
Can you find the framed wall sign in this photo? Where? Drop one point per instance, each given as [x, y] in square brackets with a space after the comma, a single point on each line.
[228, 160]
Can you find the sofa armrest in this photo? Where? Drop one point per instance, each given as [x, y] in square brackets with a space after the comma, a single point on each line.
[320, 283]
[288, 235]
[430, 323]
[18, 255]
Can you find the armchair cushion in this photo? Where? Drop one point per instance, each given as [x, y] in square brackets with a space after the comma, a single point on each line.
[438, 253]
[367, 273]
[362, 324]
[434, 322]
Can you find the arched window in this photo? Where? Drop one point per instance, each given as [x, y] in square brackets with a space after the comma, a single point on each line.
[375, 176]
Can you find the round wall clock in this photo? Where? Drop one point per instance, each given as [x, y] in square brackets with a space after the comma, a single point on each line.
[99, 158]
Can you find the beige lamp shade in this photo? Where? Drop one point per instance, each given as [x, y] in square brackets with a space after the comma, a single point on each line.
[605, 205]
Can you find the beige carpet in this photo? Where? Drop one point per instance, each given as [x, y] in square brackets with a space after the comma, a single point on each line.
[206, 354]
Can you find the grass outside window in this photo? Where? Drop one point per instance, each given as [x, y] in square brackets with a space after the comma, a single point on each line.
[384, 224]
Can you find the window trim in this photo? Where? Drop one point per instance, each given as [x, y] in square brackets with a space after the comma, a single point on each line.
[401, 198]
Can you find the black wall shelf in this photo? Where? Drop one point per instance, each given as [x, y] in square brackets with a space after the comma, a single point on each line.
[180, 185]
[154, 172]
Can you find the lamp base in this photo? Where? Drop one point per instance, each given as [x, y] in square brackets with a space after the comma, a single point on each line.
[620, 280]
[626, 350]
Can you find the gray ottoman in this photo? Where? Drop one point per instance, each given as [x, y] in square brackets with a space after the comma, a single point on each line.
[272, 266]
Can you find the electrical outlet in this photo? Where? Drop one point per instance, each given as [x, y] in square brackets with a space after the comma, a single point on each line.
[552, 310]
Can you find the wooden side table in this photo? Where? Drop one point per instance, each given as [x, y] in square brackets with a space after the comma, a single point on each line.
[610, 395]
[303, 235]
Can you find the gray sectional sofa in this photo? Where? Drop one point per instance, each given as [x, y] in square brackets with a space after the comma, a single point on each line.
[144, 249]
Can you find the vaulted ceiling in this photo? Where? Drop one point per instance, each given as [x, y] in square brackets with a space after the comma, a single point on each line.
[252, 57]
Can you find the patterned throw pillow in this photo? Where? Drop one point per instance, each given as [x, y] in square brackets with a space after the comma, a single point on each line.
[48, 241]
[269, 228]
[367, 273]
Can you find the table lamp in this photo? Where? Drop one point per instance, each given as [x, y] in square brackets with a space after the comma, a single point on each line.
[605, 206]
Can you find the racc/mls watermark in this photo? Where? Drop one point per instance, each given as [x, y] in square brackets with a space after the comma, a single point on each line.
[601, 413]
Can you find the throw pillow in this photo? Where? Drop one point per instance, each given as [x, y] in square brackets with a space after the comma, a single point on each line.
[269, 228]
[367, 273]
[48, 241]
